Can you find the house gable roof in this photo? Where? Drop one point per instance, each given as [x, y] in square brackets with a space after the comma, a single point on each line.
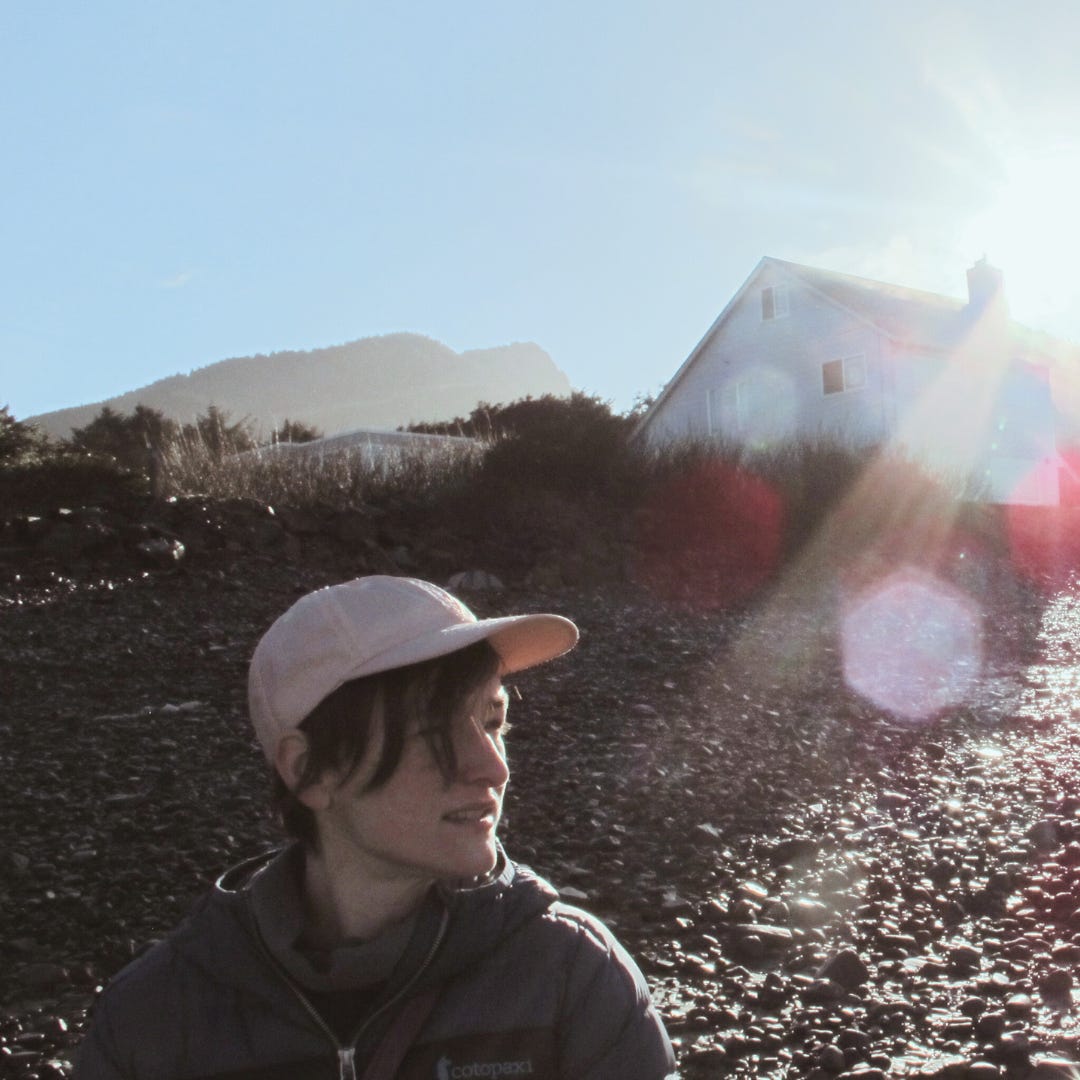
[918, 319]
[909, 315]
[674, 381]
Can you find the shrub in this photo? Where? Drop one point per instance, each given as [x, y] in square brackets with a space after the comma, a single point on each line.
[294, 431]
[812, 477]
[717, 521]
[62, 478]
[215, 434]
[18, 439]
[708, 534]
[574, 445]
[130, 441]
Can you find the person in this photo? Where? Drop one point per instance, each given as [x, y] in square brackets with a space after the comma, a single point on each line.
[392, 937]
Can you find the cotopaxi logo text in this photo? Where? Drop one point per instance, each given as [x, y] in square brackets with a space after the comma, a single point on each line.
[445, 1069]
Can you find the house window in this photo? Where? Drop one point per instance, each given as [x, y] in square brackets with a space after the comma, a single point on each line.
[832, 377]
[840, 375]
[774, 302]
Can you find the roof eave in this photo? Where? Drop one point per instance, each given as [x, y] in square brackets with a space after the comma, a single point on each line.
[675, 379]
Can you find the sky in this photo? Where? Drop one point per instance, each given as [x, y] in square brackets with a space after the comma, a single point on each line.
[183, 183]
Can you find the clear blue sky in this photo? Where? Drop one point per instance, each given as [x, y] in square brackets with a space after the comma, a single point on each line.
[184, 182]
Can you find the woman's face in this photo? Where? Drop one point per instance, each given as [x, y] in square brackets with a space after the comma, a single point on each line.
[419, 824]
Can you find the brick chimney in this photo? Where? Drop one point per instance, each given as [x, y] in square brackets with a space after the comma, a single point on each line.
[986, 287]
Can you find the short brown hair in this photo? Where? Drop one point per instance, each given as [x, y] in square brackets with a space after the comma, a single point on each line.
[339, 728]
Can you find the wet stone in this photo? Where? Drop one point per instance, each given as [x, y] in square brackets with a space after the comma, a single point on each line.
[708, 1057]
[1044, 834]
[752, 890]
[845, 968]
[772, 937]
[944, 1068]
[990, 1025]
[832, 1059]
[776, 911]
[1056, 983]
[822, 991]
[1018, 1005]
[1053, 1068]
[956, 1027]
[899, 944]
[964, 957]
[1014, 1045]
[745, 911]
[794, 849]
[809, 913]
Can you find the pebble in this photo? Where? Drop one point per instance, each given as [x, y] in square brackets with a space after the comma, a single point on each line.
[845, 968]
[1014, 1045]
[1056, 982]
[1018, 1005]
[832, 1059]
[1051, 1068]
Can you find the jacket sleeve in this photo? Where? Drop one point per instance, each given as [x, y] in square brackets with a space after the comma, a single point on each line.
[609, 1028]
[95, 1058]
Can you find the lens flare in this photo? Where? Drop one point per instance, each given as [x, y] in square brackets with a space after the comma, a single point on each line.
[1044, 541]
[710, 537]
[1035, 485]
[912, 644]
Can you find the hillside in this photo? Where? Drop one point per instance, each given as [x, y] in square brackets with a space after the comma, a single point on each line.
[378, 382]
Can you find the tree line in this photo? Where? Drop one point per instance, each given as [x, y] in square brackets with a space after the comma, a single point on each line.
[134, 440]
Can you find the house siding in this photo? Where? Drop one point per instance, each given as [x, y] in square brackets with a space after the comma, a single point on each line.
[756, 381]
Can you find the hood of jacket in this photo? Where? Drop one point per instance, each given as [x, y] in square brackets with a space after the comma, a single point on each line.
[460, 925]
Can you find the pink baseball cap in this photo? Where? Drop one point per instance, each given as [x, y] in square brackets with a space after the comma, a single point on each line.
[374, 624]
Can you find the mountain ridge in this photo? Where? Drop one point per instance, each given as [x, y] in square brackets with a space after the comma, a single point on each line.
[383, 381]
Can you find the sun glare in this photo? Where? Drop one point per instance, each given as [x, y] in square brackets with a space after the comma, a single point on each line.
[1031, 229]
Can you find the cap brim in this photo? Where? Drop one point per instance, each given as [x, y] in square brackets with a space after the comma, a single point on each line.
[522, 641]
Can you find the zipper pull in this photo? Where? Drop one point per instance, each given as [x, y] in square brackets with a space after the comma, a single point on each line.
[347, 1063]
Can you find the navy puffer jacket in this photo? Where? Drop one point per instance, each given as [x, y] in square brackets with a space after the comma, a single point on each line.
[529, 987]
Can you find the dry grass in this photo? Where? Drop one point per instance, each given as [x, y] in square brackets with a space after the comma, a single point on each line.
[296, 476]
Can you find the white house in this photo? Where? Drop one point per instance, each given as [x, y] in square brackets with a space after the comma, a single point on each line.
[801, 352]
[371, 446]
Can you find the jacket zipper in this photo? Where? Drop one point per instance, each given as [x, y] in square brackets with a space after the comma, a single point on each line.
[347, 1054]
[347, 1062]
[441, 933]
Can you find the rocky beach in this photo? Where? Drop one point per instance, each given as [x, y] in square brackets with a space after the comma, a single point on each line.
[814, 887]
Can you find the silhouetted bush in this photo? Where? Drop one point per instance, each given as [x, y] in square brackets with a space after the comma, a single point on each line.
[66, 479]
[129, 440]
[812, 477]
[216, 434]
[294, 431]
[708, 534]
[18, 439]
[575, 445]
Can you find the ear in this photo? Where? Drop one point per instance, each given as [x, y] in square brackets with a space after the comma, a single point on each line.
[290, 758]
